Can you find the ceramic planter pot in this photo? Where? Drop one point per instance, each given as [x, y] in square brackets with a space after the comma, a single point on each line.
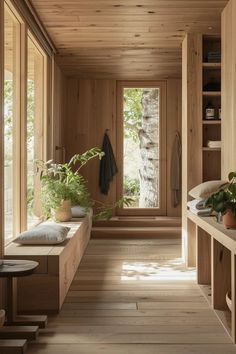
[63, 213]
[229, 220]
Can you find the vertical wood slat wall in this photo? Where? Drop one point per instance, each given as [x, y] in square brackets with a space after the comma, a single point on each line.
[191, 133]
[90, 108]
[228, 89]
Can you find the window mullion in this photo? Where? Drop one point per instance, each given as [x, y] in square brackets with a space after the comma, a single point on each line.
[23, 129]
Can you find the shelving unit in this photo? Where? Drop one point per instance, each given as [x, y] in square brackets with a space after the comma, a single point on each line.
[216, 267]
[211, 129]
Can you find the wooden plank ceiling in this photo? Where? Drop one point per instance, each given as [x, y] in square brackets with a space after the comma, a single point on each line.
[125, 38]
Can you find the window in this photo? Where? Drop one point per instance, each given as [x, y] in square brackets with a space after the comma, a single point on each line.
[11, 84]
[142, 134]
[25, 90]
[35, 118]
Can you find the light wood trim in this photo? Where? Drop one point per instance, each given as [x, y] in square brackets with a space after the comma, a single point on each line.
[221, 258]
[211, 122]
[28, 14]
[23, 129]
[203, 257]
[163, 102]
[233, 296]
[211, 65]
[16, 121]
[211, 93]
[228, 162]
[191, 126]
[48, 138]
[1, 129]
[218, 231]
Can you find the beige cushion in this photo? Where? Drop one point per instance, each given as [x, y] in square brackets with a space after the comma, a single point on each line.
[78, 212]
[44, 234]
[206, 189]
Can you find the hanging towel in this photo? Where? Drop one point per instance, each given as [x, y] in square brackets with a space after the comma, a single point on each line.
[175, 171]
[108, 167]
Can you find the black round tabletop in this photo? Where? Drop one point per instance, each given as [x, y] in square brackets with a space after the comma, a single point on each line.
[17, 268]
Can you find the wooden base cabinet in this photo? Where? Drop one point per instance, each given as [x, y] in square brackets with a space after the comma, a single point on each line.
[216, 268]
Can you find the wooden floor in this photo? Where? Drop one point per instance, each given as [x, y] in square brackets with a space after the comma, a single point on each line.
[133, 296]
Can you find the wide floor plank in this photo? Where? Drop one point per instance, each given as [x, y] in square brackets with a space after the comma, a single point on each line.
[133, 296]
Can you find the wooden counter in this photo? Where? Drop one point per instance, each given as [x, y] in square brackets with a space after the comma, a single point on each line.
[216, 266]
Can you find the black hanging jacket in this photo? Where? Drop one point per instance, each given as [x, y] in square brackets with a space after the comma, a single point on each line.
[108, 167]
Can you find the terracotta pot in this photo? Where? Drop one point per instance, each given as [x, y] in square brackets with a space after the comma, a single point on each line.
[229, 220]
[63, 213]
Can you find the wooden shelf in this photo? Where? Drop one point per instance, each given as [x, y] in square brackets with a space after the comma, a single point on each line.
[210, 149]
[211, 122]
[211, 93]
[211, 65]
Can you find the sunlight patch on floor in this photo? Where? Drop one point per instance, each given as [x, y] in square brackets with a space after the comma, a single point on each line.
[172, 270]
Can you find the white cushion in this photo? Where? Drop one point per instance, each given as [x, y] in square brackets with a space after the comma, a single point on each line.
[206, 189]
[45, 234]
[78, 211]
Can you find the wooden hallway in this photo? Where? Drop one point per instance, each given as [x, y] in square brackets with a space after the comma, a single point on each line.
[133, 296]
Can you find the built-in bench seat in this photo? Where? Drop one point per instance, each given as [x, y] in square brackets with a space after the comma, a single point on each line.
[45, 291]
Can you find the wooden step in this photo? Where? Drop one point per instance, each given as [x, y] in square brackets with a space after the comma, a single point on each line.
[136, 232]
[34, 320]
[19, 332]
[137, 221]
[13, 346]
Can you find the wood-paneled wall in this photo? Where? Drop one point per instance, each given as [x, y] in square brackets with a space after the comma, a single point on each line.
[191, 127]
[228, 158]
[90, 109]
[174, 123]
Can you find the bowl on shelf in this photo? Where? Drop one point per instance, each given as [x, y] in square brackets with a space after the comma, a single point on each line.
[228, 300]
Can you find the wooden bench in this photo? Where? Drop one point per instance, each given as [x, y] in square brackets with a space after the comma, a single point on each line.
[45, 291]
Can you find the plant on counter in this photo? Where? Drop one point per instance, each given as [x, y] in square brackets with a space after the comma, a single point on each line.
[224, 202]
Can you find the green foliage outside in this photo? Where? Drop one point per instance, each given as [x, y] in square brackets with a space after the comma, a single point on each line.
[131, 187]
[8, 121]
[9, 137]
[132, 112]
[132, 125]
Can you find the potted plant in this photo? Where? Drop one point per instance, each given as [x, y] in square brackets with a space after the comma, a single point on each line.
[63, 185]
[224, 202]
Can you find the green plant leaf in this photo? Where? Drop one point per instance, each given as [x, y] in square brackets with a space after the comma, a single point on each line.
[231, 175]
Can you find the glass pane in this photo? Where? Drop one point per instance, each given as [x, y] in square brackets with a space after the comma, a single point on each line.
[9, 121]
[141, 172]
[35, 105]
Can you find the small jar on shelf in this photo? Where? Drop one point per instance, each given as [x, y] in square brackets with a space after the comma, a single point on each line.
[210, 111]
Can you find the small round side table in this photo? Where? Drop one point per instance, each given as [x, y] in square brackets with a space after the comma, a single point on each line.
[11, 270]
